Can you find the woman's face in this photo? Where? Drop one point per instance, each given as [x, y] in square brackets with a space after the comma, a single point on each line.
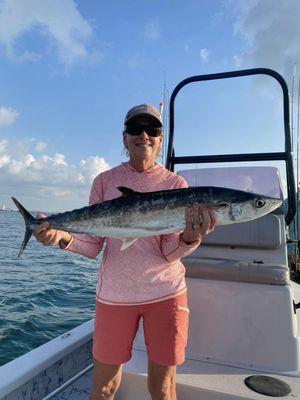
[143, 146]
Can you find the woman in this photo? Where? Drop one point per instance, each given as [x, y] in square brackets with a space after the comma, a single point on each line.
[145, 280]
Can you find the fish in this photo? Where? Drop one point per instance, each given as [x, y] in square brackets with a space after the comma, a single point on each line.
[143, 214]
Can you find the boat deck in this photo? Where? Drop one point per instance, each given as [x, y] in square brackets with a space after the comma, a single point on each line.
[195, 380]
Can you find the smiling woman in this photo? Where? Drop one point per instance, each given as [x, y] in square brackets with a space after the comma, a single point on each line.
[145, 280]
[142, 136]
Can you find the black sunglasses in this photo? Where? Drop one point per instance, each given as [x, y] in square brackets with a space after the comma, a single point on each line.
[136, 130]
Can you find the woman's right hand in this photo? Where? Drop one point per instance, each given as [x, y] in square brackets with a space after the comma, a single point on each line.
[50, 237]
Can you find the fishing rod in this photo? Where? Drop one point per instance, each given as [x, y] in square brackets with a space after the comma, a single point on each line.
[165, 118]
[297, 175]
[294, 250]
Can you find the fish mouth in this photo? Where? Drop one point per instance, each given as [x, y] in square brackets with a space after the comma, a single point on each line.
[276, 203]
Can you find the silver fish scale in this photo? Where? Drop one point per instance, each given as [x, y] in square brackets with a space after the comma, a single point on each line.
[136, 215]
[150, 214]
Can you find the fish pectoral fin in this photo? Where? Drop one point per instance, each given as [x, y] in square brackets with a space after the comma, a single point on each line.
[127, 243]
[127, 191]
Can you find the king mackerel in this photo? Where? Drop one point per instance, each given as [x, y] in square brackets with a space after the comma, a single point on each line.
[136, 214]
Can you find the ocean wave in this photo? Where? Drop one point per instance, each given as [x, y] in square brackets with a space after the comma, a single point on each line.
[43, 294]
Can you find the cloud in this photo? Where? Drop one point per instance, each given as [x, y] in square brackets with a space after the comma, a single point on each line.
[48, 180]
[271, 32]
[4, 160]
[204, 55]
[217, 18]
[238, 60]
[40, 146]
[152, 30]
[3, 145]
[8, 116]
[30, 56]
[59, 21]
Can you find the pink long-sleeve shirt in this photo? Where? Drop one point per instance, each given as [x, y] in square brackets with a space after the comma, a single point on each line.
[148, 271]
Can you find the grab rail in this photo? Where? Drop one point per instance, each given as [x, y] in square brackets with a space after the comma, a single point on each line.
[285, 156]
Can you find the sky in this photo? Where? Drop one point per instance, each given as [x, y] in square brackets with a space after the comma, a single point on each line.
[70, 70]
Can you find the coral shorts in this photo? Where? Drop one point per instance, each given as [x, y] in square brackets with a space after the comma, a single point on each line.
[165, 326]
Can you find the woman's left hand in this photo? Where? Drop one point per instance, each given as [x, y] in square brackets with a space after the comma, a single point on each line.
[199, 222]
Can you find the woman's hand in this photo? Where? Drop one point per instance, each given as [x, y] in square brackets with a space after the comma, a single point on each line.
[50, 237]
[199, 222]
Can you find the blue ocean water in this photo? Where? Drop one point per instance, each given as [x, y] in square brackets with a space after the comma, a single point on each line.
[43, 294]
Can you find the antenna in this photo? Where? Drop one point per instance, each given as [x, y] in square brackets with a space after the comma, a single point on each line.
[292, 104]
[164, 111]
[166, 139]
[297, 172]
[295, 136]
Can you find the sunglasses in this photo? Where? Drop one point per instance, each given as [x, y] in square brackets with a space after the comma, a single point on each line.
[136, 130]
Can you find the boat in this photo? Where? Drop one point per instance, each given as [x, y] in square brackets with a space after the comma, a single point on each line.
[244, 336]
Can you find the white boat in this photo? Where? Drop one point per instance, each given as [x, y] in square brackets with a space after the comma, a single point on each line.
[244, 336]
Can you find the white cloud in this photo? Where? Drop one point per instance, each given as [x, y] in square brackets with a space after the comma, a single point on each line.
[3, 145]
[217, 18]
[59, 159]
[59, 21]
[271, 31]
[204, 54]
[50, 181]
[62, 193]
[30, 56]
[40, 146]
[152, 30]
[4, 160]
[238, 60]
[8, 116]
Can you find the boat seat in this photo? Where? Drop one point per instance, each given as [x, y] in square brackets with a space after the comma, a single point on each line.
[262, 239]
[236, 271]
[263, 233]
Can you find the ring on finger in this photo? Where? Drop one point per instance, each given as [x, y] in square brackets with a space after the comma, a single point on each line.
[196, 226]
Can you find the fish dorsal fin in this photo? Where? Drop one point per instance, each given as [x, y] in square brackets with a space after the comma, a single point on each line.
[127, 191]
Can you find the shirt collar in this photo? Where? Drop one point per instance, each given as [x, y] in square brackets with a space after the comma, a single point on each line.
[148, 171]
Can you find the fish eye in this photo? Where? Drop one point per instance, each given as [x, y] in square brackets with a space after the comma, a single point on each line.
[223, 204]
[260, 203]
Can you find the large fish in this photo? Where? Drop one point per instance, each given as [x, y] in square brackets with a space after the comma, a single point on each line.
[136, 214]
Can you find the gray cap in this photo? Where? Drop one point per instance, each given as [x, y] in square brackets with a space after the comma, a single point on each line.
[143, 109]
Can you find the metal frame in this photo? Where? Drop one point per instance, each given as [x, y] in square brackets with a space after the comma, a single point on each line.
[285, 156]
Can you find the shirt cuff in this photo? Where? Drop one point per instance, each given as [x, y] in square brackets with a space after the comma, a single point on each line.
[193, 244]
[66, 247]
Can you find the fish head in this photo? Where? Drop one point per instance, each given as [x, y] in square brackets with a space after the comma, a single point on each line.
[232, 206]
[254, 207]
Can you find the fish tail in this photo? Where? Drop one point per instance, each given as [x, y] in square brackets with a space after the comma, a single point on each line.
[29, 219]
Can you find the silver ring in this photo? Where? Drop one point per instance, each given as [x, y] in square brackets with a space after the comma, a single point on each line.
[196, 226]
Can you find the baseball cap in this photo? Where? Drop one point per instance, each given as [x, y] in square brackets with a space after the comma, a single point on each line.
[143, 109]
